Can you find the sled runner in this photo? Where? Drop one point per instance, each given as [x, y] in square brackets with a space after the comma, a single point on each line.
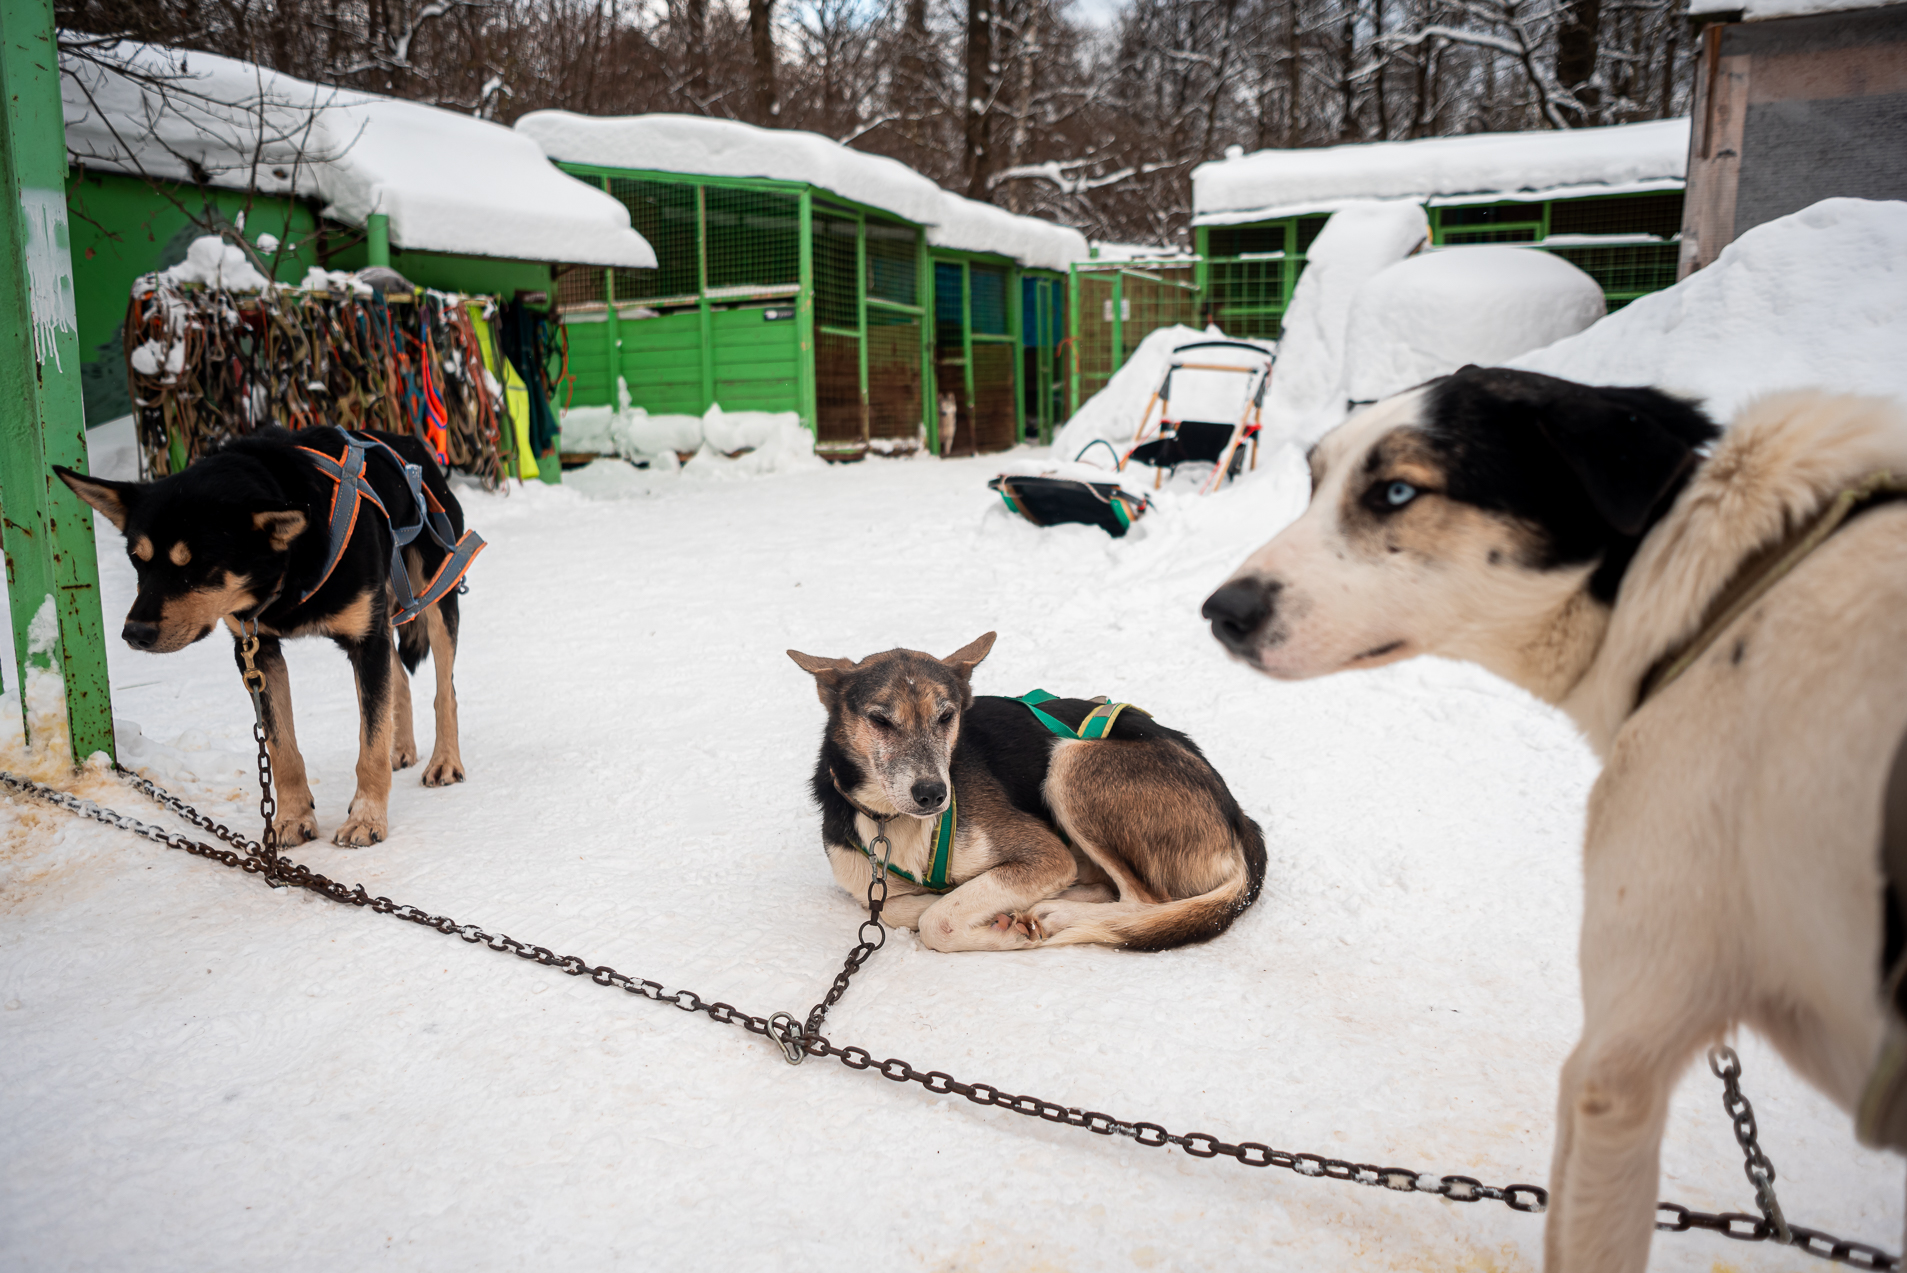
[1204, 411]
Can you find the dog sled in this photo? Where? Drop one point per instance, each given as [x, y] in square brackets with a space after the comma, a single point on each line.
[1208, 409]
[1048, 499]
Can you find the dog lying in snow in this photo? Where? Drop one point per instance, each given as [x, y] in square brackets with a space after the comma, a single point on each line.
[244, 534]
[1575, 541]
[1006, 835]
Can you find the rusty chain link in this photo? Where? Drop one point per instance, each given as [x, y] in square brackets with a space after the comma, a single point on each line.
[797, 1041]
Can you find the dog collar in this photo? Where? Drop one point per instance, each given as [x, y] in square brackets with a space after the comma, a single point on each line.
[942, 835]
[1762, 572]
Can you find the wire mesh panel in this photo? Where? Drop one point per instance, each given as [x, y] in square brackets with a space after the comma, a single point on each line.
[840, 408]
[1657, 214]
[754, 242]
[581, 287]
[1490, 223]
[1626, 271]
[1246, 298]
[893, 257]
[1158, 296]
[665, 214]
[1092, 343]
[837, 299]
[987, 300]
[893, 375]
[841, 419]
[994, 417]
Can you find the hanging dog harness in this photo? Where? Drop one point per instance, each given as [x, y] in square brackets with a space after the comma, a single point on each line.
[352, 489]
[1097, 725]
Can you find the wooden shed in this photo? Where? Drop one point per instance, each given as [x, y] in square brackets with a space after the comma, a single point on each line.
[1795, 101]
[796, 274]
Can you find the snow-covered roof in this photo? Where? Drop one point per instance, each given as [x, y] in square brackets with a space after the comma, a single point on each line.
[448, 182]
[1550, 164]
[1756, 10]
[698, 146]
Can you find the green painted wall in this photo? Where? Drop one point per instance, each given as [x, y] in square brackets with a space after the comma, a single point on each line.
[661, 361]
[476, 275]
[122, 228]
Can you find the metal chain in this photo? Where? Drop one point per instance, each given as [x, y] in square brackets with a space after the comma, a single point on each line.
[263, 860]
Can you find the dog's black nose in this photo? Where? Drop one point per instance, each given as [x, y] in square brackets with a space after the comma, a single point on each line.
[140, 636]
[1239, 609]
[928, 792]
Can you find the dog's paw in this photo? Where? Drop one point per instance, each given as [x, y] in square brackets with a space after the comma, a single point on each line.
[443, 771]
[403, 757]
[296, 828]
[360, 830]
[1022, 926]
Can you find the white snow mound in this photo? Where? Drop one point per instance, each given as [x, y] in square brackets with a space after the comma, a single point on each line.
[726, 148]
[718, 442]
[1427, 316]
[210, 262]
[1308, 390]
[1818, 297]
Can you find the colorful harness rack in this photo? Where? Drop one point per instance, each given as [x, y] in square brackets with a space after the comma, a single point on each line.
[1097, 725]
[352, 489]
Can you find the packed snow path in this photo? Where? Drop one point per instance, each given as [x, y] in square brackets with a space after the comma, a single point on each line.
[199, 1073]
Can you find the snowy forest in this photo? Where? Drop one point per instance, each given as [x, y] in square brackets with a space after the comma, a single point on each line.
[1091, 117]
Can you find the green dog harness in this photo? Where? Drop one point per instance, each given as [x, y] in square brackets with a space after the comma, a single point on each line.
[1098, 722]
[1097, 725]
[943, 837]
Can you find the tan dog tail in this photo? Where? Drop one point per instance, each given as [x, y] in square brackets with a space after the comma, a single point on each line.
[1196, 919]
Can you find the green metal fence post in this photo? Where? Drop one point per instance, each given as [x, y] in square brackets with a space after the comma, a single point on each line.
[705, 317]
[377, 239]
[929, 321]
[966, 342]
[612, 336]
[1014, 320]
[860, 311]
[1072, 334]
[1118, 318]
[804, 320]
[47, 533]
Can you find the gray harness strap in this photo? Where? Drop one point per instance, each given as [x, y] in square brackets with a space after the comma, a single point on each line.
[353, 488]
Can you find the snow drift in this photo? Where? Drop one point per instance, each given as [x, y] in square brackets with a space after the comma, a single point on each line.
[1308, 390]
[1816, 298]
[739, 443]
[1428, 316]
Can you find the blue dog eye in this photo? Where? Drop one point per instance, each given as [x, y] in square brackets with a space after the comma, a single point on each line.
[1398, 494]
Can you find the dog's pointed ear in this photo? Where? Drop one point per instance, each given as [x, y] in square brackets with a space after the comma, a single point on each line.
[281, 526]
[827, 673]
[1628, 447]
[968, 656]
[115, 499]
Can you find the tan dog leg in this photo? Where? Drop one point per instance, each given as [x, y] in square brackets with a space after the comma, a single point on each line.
[979, 915]
[369, 820]
[446, 760]
[403, 728]
[297, 820]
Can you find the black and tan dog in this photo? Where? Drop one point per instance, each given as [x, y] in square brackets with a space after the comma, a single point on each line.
[244, 535]
[1131, 839]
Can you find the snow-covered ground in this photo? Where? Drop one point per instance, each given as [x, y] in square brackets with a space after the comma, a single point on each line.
[197, 1073]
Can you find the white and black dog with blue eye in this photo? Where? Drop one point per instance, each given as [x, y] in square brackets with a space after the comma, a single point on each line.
[1724, 615]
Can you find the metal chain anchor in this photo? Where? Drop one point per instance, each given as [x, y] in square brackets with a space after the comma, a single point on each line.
[278, 871]
[795, 1042]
